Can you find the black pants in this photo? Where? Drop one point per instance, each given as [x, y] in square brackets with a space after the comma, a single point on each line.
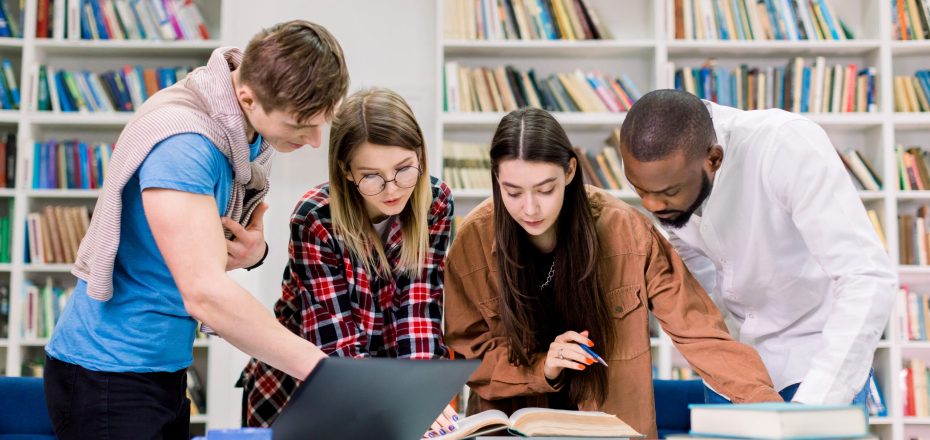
[85, 404]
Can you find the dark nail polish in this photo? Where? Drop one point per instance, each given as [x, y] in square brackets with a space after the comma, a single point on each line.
[455, 417]
[450, 428]
[442, 431]
[432, 434]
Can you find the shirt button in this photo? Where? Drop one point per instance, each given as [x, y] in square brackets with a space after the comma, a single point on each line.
[750, 316]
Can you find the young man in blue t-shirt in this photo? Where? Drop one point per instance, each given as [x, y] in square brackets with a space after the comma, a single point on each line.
[117, 360]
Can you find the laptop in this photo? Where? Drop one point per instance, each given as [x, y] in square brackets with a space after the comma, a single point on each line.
[380, 398]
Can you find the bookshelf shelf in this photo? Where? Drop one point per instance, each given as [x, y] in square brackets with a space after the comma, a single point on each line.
[62, 119]
[7, 192]
[11, 43]
[10, 116]
[868, 196]
[771, 48]
[914, 195]
[64, 193]
[33, 342]
[913, 270]
[562, 49]
[904, 48]
[47, 268]
[125, 47]
[486, 120]
[884, 344]
[201, 343]
[200, 419]
[923, 345]
[911, 121]
[846, 120]
[916, 420]
[880, 420]
[4, 342]
[6, 267]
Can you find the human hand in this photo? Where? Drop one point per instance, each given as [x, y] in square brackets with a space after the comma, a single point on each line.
[564, 352]
[446, 423]
[247, 247]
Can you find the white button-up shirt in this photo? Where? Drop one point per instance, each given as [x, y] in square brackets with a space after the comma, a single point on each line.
[785, 248]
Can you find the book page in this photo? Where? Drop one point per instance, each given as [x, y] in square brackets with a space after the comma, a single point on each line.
[481, 423]
[541, 421]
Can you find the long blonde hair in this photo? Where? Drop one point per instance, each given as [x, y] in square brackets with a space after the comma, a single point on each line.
[380, 117]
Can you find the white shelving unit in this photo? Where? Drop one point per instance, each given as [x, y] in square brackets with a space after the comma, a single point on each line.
[642, 49]
[31, 125]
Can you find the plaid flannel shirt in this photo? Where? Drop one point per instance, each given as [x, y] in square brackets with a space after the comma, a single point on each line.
[330, 299]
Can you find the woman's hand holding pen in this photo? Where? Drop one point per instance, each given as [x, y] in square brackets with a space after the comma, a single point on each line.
[566, 352]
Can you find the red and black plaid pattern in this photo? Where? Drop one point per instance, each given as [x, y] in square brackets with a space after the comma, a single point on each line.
[330, 299]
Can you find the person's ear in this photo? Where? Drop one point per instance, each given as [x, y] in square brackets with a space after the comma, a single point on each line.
[246, 97]
[714, 158]
[346, 171]
[570, 174]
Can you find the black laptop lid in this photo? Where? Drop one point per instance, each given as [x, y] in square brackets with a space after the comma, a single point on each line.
[380, 398]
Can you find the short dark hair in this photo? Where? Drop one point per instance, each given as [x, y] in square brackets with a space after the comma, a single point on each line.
[666, 121]
[296, 66]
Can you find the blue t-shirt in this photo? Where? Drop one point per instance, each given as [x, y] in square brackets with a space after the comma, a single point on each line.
[144, 327]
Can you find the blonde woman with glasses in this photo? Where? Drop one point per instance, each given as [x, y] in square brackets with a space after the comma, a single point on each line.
[365, 276]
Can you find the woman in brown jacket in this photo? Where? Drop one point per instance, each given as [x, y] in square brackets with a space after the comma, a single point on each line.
[548, 264]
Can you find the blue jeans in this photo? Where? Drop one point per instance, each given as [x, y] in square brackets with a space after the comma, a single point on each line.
[861, 398]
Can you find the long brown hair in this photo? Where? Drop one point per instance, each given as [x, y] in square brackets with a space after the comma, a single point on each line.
[534, 135]
[379, 117]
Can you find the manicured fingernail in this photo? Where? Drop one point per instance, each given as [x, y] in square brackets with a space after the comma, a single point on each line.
[589, 361]
[590, 343]
[432, 435]
[581, 367]
[455, 417]
[442, 431]
[450, 428]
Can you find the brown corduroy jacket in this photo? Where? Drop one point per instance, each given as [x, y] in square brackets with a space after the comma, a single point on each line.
[640, 272]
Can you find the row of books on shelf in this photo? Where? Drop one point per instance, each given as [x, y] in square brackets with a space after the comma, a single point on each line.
[121, 90]
[914, 237]
[910, 19]
[466, 165]
[817, 88]
[8, 149]
[522, 20]
[120, 20]
[70, 164]
[4, 311]
[42, 305]
[54, 234]
[913, 167]
[915, 377]
[912, 93]
[862, 172]
[11, 19]
[506, 88]
[914, 310]
[9, 90]
[814, 20]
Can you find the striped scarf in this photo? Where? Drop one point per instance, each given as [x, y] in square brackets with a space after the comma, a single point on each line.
[205, 103]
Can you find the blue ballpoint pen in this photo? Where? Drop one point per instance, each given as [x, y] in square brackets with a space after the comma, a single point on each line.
[592, 353]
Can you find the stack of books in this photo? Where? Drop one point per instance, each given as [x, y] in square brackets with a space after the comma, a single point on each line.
[505, 88]
[817, 88]
[522, 20]
[466, 165]
[120, 20]
[777, 421]
[813, 20]
[912, 93]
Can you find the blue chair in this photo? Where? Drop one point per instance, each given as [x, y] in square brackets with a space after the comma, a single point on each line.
[672, 398]
[23, 414]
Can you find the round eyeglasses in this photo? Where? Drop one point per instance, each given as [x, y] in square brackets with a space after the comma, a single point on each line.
[374, 184]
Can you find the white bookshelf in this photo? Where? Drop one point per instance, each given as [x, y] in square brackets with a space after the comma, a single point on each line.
[31, 125]
[642, 48]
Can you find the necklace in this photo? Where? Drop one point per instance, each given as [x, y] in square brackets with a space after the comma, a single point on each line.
[549, 277]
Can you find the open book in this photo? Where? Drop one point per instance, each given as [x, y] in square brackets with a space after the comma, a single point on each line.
[532, 422]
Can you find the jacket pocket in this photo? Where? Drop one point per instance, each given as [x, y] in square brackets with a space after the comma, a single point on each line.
[490, 311]
[631, 322]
